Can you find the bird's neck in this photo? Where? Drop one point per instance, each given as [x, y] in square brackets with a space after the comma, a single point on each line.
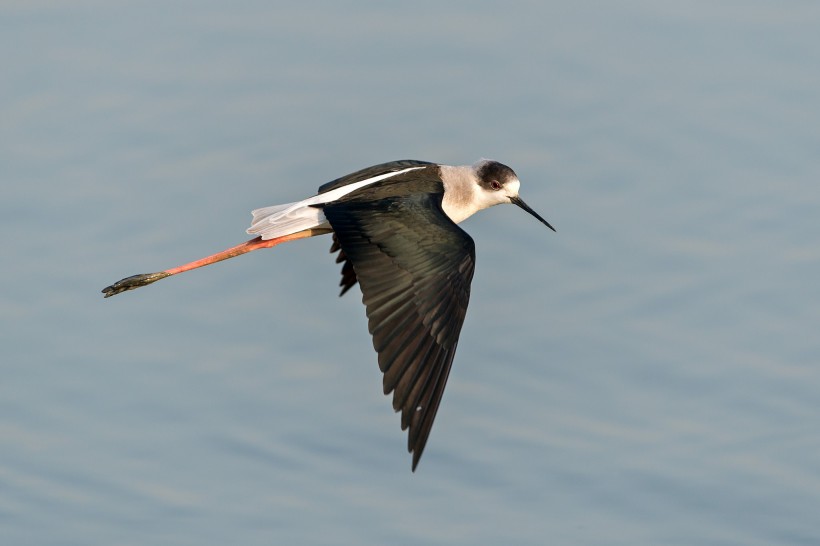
[459, 202]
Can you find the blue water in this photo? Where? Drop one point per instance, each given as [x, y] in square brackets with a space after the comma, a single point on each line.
[649, 374]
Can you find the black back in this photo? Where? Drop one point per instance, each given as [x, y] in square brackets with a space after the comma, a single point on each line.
[370, 172]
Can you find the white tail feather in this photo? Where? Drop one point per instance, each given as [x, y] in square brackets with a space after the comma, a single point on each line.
[280, 220]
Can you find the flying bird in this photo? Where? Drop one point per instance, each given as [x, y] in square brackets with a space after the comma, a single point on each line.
[394, 226]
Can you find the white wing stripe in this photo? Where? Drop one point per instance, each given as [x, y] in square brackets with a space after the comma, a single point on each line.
[338, 193]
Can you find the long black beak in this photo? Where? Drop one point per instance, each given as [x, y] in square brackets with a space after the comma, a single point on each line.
[520, 202]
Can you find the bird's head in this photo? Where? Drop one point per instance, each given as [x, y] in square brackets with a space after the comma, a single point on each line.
[498, 184]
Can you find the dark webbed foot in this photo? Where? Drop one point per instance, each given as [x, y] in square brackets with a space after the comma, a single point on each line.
[132, 282]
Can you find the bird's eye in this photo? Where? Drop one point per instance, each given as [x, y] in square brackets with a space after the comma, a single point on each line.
[495, 184]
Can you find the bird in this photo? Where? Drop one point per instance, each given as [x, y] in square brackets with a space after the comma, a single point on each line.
[395, 231]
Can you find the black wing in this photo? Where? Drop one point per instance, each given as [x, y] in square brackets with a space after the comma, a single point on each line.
[415, 267]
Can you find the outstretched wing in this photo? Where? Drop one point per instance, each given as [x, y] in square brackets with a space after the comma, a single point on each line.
[414, 266]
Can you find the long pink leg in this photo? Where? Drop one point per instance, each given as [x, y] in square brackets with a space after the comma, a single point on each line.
[144, 279]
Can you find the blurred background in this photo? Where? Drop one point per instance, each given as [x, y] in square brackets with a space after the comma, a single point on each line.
[646, 375]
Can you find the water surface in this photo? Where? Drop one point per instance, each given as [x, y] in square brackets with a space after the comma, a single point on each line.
[646, 375]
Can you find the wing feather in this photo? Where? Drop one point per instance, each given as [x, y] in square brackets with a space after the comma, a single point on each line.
[414, 266]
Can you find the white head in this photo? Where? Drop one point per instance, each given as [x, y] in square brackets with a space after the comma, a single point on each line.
[496, 183]
[470, 189]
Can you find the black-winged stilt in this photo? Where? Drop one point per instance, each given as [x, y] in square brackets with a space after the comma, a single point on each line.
[394, 226]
